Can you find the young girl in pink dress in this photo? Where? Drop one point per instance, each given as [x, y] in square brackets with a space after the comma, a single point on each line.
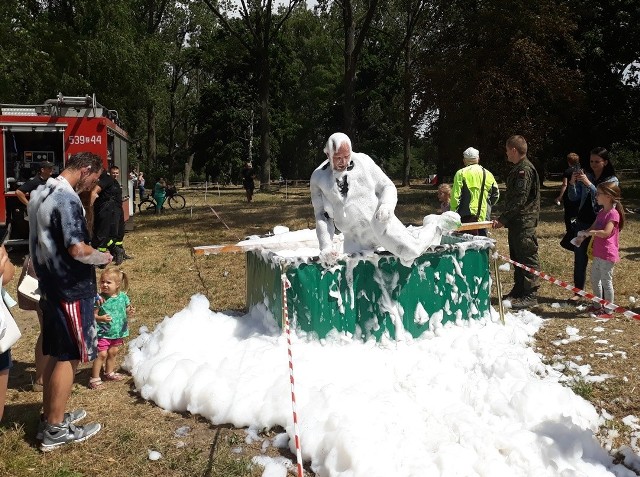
[605, 232]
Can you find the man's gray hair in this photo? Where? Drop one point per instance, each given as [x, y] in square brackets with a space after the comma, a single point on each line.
[334, 142]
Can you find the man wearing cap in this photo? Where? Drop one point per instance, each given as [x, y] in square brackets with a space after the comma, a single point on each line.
[520, 216]
[46, 168]
[474, 191]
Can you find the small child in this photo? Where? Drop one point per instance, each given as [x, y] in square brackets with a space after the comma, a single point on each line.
[605, 232]
[444, 196]
[111, 317]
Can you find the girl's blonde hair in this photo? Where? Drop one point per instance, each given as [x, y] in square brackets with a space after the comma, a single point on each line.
[444, 188]
[613, 191]
[119, 275]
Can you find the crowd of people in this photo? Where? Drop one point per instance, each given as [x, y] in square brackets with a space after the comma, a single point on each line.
[593, 212]
[349, 192]
[593, 217]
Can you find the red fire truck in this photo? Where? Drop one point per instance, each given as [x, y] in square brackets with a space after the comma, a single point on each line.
[52, 132]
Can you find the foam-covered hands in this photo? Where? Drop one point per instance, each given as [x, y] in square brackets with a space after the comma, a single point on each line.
[449, 221]
[329, 257]
[384, 212]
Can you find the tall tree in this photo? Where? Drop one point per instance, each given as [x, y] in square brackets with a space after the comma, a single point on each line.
[22, 28]
[500, 71]
[609, 36]
[411, 32]
[357, 17]
[151, 16]
[261, 26]
[304, 93]
[225, 107]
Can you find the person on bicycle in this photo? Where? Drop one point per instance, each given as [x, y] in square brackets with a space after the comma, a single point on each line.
[140, 185]
[160, 194]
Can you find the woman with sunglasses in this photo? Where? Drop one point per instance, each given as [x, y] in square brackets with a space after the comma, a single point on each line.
[582, 188]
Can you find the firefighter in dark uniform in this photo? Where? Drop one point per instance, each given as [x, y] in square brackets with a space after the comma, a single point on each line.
[118, 235]
[522, 210]
[17, 207]
[46, 168]
[108, 222]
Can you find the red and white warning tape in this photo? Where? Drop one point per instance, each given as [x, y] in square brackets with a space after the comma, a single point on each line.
[287, 328]
[607, 304]
[219, 218]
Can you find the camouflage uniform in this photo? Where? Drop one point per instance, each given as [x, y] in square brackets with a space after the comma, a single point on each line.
[522, 209]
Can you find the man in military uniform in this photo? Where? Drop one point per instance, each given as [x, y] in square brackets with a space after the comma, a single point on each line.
[522, 209]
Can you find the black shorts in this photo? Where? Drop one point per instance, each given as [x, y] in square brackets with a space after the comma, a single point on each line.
[69, 329]
[5, 360]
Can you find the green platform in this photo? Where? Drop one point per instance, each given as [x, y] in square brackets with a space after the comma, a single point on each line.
[368, 297]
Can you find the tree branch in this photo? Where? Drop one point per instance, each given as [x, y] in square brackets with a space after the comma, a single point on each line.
[227, 25]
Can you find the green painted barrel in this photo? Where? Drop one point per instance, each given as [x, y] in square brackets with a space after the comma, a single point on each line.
[376, 295]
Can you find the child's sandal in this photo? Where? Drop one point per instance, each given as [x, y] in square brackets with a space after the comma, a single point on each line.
[95, 383]
[113, 376]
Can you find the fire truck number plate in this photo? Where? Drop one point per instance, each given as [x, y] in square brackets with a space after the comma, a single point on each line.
[95, 139]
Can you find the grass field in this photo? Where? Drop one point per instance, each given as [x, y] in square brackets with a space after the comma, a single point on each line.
[163, 276]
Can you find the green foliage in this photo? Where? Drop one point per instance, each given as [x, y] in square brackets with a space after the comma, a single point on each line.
[64, 472]
[625, 156]
[563, 74]
[582, 388]
[226, 110]
[308, 66]
[505, 71]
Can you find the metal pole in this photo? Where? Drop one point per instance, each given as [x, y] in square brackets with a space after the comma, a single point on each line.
[287, 328]
[498, 288]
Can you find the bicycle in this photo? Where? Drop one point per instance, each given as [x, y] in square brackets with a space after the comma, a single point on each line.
[176, 201]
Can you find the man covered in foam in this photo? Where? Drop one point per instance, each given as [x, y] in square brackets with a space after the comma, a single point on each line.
[350, 192]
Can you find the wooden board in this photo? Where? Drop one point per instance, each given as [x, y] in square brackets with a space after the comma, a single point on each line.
[239, 247]
[475, 225]
[216, 249]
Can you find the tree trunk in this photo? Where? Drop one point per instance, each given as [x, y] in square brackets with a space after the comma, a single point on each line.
[265, 125]
[172, 131]
[188, 166]
[151, 136]
[349, 67]
[406, 113]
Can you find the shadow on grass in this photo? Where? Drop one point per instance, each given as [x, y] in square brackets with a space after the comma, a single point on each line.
[20, 376]
[25, 416]
[544, 309]
[631, 253]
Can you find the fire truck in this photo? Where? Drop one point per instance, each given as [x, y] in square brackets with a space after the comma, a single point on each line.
[53, 131]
